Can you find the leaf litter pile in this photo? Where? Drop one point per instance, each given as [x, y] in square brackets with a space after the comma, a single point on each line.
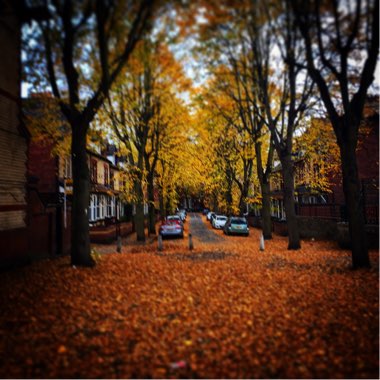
[225, 310]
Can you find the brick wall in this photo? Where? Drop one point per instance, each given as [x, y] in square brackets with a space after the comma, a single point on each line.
[43, 166]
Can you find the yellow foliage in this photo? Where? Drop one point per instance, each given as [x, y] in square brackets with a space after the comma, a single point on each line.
[319, 155]
[46, 123]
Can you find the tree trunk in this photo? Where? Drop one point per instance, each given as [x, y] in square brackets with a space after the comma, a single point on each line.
[355, 208]
[162, 204]
[139, 216]
[228, 194]
[152, 210]
[243, 197]
[242, 205]
[265, 211]
[214, 201]
[80, 230]
[294, 241]
[229, 200]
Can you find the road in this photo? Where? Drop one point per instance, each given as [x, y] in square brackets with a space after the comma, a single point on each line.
[200, 231]
[195, 225]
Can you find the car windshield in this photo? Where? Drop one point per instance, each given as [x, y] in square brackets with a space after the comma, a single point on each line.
[221, 218]
[238, 221]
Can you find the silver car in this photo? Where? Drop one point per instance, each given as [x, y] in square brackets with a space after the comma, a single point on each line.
[219, 221]
[171, 227]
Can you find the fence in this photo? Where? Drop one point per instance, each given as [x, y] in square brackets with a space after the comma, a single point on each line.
[333, 211]
[328, 210]
[337, 212]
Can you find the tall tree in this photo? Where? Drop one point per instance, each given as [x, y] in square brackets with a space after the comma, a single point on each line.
[130, 110]
[341, 41]
[227, 102]
[141, 108]
[226, 49]
[283, 91]
[175, 165]
[243, 92]
[225, 153]
[83, 48]
[265, 36]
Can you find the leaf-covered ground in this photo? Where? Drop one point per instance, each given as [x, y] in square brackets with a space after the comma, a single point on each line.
[223, 310]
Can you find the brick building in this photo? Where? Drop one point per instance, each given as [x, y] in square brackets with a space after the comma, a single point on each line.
[49, 216]
[50, 199]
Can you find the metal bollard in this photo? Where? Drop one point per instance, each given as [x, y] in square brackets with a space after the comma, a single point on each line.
[262, 245]
[191, 245]
[159, 241]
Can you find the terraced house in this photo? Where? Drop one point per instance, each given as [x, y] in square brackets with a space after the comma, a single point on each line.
[106, 208]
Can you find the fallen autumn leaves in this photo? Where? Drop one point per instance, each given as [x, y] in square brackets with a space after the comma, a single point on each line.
[224, 310]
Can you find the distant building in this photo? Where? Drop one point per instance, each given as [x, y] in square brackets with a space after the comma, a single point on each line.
[105, 207]
[51, 195]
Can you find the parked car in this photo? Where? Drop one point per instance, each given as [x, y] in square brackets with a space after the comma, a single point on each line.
[182, 214]
[213, 215]
[219, 221]
[175, 218]
[236, 225]
[209, 215]
[171, 227]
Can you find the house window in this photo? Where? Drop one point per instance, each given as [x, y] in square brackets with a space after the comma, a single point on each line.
[103, 207]
[112, 179]
[121, 209]
[94, 171]
[277, 209]
[93, 201]
[109, 207]
[67, 168]
[113, 210]
[97, 207]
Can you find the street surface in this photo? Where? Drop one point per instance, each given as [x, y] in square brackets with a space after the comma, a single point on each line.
[199, 230]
